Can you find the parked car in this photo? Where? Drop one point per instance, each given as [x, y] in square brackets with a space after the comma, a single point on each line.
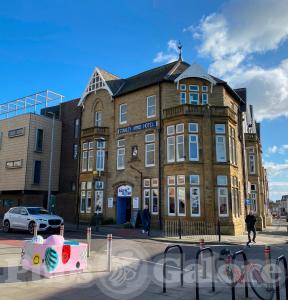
[25, 218]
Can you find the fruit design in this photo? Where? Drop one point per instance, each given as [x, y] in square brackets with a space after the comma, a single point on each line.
[36, 259]
[51, 259]
[66, 253]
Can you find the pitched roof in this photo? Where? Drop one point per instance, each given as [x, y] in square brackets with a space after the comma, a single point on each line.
[166, 72]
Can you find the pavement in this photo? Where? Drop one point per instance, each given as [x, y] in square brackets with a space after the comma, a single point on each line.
[137, 267]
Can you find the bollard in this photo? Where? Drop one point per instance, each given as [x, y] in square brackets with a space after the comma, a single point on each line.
[267, 255]
[88, 241]
[62, 230]
[109, 251]
[35, 230]
[203, 261]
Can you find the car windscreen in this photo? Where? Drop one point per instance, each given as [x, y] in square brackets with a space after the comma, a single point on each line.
[37, 211]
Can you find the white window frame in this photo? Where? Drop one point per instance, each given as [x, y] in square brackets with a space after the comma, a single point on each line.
[122, 155]
[183, 100]
[220, 128]
[193, 101]
[175, 200]
[194, 88]
[199, 199]
[219, 182]
[172, 144]
[182, 87]
[152, 201]
[121, 114]
[179, 128]
[190, 145]
[180, 180]
[171, 180]
[83, 199]
[178, 143]
[219, 157]
[190, 125]
[98, 119]
[100, 155]
[204, 102]
[147, 197]
[148, 105]
[100, 192]
[170, 130]
[150, 138]
[147, 152]
[254, 162]
[218, 200]
[191, 180]
[181, 188]
[205, 88]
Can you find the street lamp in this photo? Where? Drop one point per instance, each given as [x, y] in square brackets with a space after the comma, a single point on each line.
[51, 161]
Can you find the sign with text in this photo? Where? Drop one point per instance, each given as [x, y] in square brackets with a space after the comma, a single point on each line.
[124, 191]
[136, 202]
[110, 202]
[137, 127]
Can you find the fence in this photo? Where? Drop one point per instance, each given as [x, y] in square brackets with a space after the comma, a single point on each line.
[194, 230]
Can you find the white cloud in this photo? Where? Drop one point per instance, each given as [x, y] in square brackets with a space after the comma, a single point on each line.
[232, 36]
[278, 150]
[272, 150]
[170, 55]
[283, 184]
[276, 169]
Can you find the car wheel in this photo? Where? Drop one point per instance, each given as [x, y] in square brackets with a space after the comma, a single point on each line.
[6, 226]
[31, 227]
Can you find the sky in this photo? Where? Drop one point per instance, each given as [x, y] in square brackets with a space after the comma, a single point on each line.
[56, 44]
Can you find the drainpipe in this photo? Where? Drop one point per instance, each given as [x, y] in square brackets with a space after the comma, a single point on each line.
[159, 157]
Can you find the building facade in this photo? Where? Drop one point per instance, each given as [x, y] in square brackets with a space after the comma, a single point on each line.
[25, 153]
[24, 160]
[171, 138]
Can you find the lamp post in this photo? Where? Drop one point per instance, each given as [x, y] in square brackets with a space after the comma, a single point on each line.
[51, 161]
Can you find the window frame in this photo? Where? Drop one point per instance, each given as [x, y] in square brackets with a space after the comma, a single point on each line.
[149, 106]
[197, 145]
[121, 106]
[218, 201]
[199, 201]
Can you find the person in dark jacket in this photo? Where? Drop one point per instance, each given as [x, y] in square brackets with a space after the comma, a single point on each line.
[146, 219]
[250, 223]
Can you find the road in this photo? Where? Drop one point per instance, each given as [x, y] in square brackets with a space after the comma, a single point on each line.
[136, 273]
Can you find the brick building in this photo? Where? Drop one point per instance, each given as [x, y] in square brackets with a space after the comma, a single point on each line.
[25, 149]
[172, 137]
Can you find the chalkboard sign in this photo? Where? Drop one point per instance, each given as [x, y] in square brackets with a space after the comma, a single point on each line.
[136, 218]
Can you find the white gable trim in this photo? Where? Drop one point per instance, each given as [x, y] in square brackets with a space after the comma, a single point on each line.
[91, 87]
[196, 71]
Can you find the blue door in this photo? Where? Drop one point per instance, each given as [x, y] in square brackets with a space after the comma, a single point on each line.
[121, 210]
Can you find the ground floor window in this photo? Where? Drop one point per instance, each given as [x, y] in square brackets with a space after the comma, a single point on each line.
[223, 202]
[195, 195]
[254, 202]
[98, 202]
[236, 209]
[176, 195]
[151, 195]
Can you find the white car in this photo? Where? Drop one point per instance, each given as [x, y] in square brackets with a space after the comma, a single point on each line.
[25, 218]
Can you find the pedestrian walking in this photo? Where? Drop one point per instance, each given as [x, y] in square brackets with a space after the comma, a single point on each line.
[146, 219]
[250, 223]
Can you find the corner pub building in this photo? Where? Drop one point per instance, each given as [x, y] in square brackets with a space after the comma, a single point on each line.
[170, 137]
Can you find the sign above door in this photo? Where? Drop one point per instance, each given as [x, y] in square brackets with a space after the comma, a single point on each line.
[124, 191]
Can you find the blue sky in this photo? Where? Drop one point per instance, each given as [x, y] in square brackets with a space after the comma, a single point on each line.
[56, 44]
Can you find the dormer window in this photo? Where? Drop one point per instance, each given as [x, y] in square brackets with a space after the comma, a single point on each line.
[204, 98]
[182, 87]
[182, 97]
[194, 88]
[194, 98]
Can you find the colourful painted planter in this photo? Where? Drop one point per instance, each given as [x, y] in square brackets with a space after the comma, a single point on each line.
[54, 256]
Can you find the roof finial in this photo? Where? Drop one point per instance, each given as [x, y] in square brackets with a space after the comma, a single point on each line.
[180, 50]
